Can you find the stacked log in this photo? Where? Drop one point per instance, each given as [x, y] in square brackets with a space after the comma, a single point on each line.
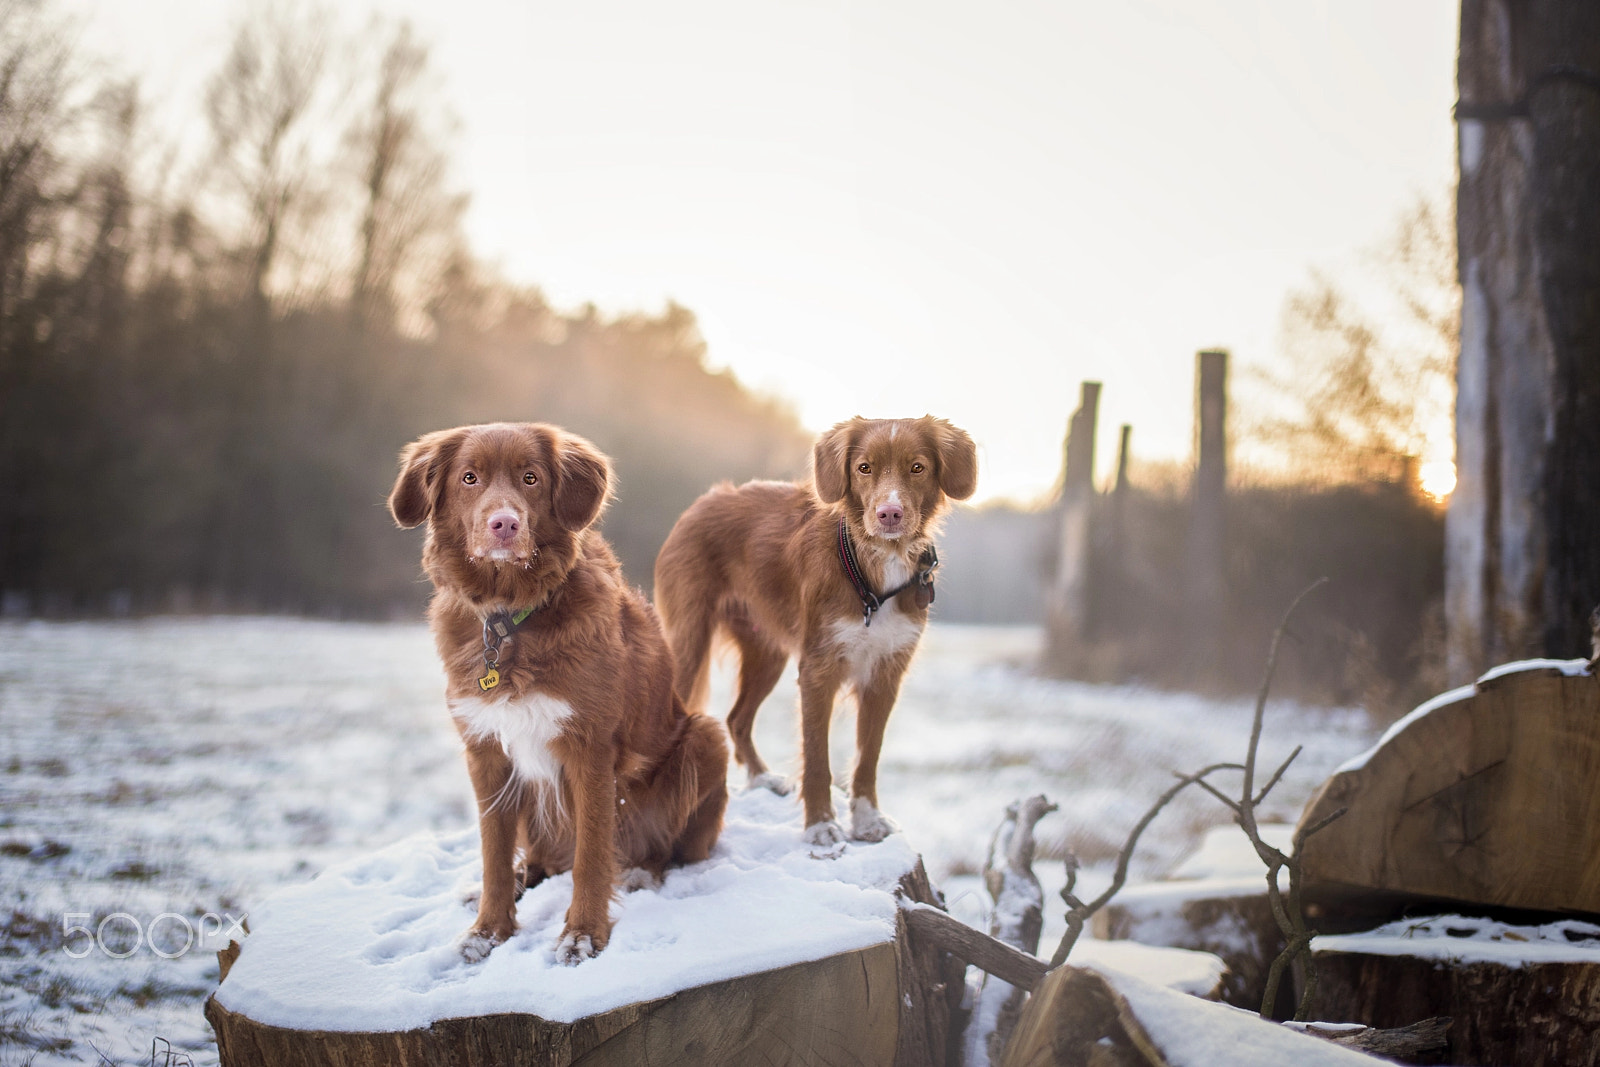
[1484, 801]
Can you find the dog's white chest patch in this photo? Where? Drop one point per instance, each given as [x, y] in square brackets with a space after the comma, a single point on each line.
[863, 646]
[524, 728]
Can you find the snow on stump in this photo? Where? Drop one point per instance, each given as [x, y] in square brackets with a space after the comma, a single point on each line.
[760, 954]
[1091, 1017]
[1517, 994]
[1488, 795]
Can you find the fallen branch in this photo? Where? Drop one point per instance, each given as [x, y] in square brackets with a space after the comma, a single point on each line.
[1402, 1043]
[976, 947]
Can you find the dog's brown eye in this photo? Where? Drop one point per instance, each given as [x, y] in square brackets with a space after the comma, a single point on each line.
[864, 468]
[916, 468]
[470, 478]
[530, 478]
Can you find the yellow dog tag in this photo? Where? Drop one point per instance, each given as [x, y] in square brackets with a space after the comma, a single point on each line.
[490, 680]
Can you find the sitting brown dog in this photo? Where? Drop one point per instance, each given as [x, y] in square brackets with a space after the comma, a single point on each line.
[558, 678]
[838, 572]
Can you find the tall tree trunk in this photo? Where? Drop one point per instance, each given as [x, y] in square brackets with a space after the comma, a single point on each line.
[1522, 570]
[1564, 109]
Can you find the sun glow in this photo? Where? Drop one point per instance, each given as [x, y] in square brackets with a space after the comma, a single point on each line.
[1437, 479]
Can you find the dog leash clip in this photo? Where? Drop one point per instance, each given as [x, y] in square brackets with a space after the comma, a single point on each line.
[494, 631]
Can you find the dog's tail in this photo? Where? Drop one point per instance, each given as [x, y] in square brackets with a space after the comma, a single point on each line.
[688, 609]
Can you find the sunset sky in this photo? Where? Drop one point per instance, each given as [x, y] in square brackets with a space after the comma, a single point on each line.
[890, 208]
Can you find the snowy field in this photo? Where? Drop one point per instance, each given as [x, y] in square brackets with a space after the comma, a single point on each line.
[158, 779]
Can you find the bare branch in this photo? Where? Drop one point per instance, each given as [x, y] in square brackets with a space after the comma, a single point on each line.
[1288, 913]
[1081, 912]
[1277, 775]
[1266, 685]
[1321, 824]
[1232, 804]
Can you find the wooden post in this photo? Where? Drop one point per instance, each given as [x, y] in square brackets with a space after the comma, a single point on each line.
[1122, 461]
[1522, 566]
[1070, 615]
[1205, 558]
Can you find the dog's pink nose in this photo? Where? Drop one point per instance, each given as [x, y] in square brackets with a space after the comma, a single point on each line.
[889, 515]
[504, 525]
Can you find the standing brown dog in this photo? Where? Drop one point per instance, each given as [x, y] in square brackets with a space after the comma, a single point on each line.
[838, 572]
[559, 679]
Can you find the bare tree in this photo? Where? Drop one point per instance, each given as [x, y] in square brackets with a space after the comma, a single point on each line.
[36, 80]
[1368, 382]
[260, 109]
[409, 221]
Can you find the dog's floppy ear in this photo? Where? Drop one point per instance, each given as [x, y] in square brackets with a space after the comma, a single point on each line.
[583, 480]
[958, 460]
[830, 462]
[422, 464]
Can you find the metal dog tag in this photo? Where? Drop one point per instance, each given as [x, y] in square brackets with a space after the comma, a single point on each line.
[490, 680]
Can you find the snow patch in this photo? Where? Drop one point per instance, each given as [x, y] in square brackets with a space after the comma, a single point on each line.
[1461, 939]
[1199, 1033]
[371, 944]
[1571, 668]
[1181, 969]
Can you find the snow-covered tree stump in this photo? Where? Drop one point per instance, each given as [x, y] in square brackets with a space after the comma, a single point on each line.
[1517, 994]
[761, 954]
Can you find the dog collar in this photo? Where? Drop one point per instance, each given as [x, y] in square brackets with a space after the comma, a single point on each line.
[870, 601]
[496, 628]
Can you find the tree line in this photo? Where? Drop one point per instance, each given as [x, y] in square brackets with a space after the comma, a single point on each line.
[210, 355]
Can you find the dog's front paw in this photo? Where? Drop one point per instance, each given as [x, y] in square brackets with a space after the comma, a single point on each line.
[476, 944]
[777, 783]
[576, 946]
[867, 823]
[825, 839]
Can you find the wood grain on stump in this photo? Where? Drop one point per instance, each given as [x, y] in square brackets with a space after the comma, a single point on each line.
[1492, 799]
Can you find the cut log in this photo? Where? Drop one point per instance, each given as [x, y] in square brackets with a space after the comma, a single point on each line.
[1079, 1017]
[1488, 795]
